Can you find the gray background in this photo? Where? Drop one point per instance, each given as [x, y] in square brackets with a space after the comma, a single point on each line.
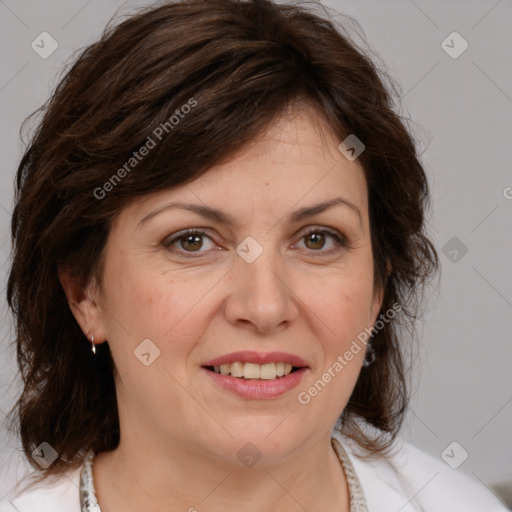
[462, 113]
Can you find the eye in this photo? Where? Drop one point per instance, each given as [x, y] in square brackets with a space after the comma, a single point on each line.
[190, 241]
[315, 240]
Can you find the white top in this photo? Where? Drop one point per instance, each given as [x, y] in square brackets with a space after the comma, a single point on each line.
[410, 481]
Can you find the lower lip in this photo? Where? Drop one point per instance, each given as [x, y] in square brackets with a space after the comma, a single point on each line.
[258, 389]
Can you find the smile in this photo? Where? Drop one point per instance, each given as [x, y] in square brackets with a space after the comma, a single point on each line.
[242, 370]
[256, 388]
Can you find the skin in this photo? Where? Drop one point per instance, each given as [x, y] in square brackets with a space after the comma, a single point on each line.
[180, 432]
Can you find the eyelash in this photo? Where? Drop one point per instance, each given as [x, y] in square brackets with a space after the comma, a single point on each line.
[340, 240]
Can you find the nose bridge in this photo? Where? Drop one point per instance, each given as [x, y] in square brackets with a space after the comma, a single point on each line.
[261, 294]
[261, 266]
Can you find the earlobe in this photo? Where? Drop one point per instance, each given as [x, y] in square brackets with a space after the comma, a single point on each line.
[83, 304]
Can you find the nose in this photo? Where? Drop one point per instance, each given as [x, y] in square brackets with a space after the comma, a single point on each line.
[261, 295]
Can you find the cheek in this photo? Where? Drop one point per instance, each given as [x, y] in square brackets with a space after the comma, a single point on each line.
[147, 302]
[342, 307]
[343, 302]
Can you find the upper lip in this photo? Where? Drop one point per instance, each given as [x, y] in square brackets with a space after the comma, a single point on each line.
[248, 356]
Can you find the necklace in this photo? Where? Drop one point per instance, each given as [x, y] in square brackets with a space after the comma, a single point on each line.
[88, 502]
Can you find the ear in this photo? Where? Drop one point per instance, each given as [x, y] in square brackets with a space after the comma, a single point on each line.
[84, 304]
[378, 296]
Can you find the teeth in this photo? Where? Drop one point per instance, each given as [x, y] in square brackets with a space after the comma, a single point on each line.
[251, 371]
[267, 371]
[237, 370]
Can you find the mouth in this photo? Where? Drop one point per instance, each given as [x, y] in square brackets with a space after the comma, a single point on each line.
[252, 371]
[254, 375]
[248, 364]
[251, 381]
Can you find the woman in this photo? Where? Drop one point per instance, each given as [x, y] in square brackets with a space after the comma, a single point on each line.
[219, 228]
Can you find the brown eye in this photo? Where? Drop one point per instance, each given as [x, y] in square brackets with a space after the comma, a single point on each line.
[316, 240]
[193, 242]
[187, 243]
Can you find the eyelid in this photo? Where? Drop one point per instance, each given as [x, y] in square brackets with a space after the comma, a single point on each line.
[340, 239]
[173, 237]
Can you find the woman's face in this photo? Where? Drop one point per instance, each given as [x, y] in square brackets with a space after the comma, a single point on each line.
[171, 306]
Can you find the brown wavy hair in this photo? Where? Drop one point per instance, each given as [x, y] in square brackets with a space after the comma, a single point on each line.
[243, 63]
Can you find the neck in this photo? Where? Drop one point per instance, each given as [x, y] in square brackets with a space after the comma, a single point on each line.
[140, 476]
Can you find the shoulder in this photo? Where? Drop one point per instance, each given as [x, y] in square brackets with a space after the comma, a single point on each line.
[411, 480]
[61, 494]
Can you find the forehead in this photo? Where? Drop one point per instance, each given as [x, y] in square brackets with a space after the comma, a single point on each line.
[295, 162]
[299, 135]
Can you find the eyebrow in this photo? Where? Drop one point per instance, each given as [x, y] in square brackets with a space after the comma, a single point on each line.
[217, 215]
